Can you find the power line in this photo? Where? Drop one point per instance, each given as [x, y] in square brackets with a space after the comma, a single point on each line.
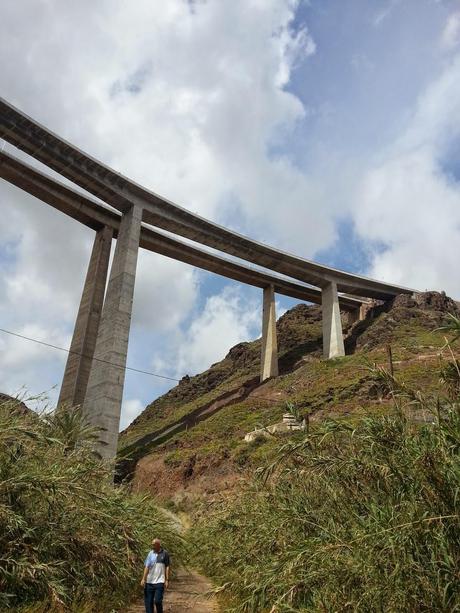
[143, 372]
[34, 340]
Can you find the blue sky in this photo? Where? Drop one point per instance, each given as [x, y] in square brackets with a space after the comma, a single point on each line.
[327, 128]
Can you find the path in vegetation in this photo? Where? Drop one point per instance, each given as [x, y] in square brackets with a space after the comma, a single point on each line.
[187, 592]
[188, 589]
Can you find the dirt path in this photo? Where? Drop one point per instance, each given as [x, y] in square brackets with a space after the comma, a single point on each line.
[187, 590]
[186, 593]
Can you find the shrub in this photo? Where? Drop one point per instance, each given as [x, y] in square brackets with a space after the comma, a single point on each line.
[350, 519]
[69, 539]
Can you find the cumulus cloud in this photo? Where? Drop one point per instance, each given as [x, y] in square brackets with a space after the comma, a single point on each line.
[415, 210]
[42, 268]
[384, 13]
[189, 99]
[129, 411]
[186, 101]
[408, 200]
[27, 368]
[451, 34]
[165, 289]
[226, 319]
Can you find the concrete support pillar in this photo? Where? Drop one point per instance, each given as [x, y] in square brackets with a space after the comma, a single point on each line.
[332, 325]
[359, 314]
[104, 395]
[353, 316]
[269, 357]
[79, 361]
[363, 310]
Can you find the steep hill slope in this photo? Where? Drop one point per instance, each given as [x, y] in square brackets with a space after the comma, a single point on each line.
[189, 442]
[15, 405]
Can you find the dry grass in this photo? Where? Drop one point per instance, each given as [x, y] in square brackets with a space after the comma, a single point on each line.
[353, 518]
[69, 540]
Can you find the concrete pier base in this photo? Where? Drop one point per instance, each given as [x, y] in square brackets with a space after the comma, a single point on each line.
[333, 346]
[352, 317]
[357, 315]
[104, 395]
[269, 354]
[83, 343]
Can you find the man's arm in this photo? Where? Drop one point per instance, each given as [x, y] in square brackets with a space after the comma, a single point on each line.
[146, 570]
[144, 576]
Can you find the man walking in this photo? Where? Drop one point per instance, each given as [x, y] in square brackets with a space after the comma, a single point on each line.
[156, 577]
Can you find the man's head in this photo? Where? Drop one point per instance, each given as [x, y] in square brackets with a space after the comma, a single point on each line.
[156, 543]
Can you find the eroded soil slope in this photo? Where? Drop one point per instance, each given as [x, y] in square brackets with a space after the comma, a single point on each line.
[207, 456]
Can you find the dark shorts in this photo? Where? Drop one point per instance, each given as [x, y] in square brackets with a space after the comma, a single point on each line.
[153, 593]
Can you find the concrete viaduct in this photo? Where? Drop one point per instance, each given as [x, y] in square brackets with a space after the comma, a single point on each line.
[95, 369]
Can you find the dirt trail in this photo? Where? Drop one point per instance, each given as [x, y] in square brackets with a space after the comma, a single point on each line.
[187, 592]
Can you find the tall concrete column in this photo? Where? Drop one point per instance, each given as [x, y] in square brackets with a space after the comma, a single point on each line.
[78, 365]
[102, 405]
[332, 324]
[269, 357]
[356, 315]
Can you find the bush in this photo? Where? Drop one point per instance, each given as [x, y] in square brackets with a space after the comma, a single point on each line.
[350, 519]
[69, 540]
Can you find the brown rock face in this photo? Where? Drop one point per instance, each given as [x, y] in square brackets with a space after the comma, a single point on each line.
[203, 455]
[435, 301]
[427, 310]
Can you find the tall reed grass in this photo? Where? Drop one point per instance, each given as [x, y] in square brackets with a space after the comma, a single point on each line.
[69, 539]
[352, 518]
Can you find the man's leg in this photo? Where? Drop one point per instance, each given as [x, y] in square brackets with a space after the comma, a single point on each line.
[158, 599]
[149, 592]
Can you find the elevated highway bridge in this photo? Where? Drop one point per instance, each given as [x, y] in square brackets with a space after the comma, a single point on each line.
[145, 219]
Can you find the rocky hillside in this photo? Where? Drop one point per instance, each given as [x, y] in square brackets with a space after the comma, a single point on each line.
[15, 405]
[189, 442]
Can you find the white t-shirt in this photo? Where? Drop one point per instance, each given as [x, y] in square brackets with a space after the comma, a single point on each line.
[157, 563]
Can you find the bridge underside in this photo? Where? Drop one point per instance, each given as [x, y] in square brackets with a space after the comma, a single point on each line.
[94, 375]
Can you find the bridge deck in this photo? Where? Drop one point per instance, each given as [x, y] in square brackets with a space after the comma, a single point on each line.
[110, 186]
[94, 215]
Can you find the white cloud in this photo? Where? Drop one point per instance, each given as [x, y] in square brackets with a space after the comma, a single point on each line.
[40, 285]
[434, 120]
[19, 353]
[407, 201]
[129, 411]
[165, 289]
[30, 369]
[408, 204]
[451, 34]
[186, 99]
[226, 319]
[384, 13]
[185, 102]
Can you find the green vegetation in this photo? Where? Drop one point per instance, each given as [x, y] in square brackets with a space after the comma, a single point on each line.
[360, 513]
[183, 400]
[69, 540]
[342, 389]
[299, 332]
[355, 517]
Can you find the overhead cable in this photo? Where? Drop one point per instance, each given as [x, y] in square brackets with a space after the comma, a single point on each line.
[35, 340]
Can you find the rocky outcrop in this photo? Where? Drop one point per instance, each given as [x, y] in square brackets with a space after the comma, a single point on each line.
[199, 404]
[14, 405]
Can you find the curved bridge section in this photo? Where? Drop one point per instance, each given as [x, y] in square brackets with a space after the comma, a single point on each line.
[94, 375]
[92, 214]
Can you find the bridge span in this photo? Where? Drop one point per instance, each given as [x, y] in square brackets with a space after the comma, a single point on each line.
[103, 320]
